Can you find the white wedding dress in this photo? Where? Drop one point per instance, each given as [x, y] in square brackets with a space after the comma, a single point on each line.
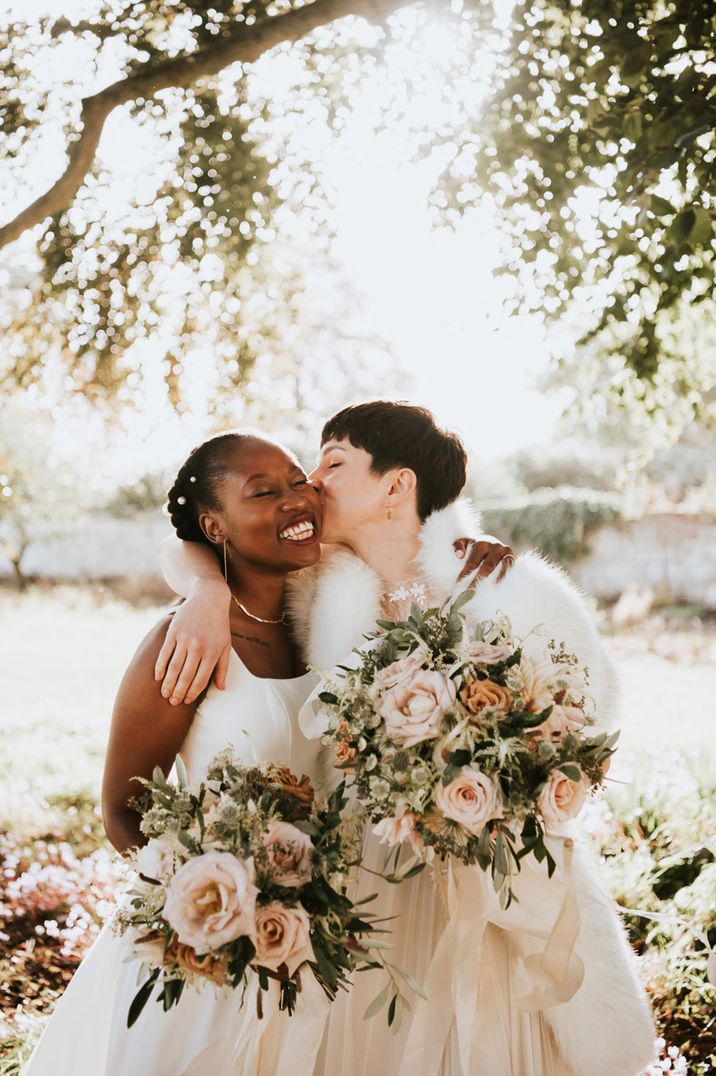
[207, 1032]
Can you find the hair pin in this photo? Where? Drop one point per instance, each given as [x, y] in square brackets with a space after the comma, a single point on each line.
[181, 500]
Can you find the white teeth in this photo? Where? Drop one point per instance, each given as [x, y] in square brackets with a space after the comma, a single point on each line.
[299, 532]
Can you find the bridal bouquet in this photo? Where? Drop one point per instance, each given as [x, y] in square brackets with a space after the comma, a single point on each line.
[464, 740]
[243, 874]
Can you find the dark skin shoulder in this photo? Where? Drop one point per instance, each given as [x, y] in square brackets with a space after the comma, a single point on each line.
[146, 731]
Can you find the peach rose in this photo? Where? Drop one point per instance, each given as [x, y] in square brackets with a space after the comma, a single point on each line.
[283, 936]
[395, 830]
[561, 798]
[477, 695]
[289, 852]
[402, 670]
[211, 900]
[207, 966]
[488, 654]
[472, 799]
[413, 712]
[345, 754]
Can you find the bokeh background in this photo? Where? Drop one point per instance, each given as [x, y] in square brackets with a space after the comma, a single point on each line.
[504, 211]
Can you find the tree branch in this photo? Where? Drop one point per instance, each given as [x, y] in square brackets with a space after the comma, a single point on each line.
[245, 44]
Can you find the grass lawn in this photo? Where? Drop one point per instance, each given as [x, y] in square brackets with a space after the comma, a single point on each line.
[64, 651]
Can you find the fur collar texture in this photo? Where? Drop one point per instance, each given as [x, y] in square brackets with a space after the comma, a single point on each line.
[335, 604]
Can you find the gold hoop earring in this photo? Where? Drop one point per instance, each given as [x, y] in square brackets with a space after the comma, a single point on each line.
[226, 570]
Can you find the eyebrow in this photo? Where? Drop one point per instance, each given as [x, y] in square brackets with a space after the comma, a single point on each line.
[265, 474]
[333, 447]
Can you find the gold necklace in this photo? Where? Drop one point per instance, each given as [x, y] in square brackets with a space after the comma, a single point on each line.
[261, 620]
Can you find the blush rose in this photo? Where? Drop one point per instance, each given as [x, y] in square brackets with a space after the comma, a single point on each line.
[283, 936]
[561, 798]
[211, 900]
[413, 711]
[471, 799]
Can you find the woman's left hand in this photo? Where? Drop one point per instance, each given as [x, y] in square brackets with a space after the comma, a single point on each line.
[483, 556]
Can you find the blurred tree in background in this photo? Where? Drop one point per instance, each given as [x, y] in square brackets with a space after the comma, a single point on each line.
[588, 128]
[40, 495]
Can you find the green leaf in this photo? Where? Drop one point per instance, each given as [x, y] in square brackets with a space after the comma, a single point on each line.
[411, 981]
[141, 998]
[501, 864]
[572, 772]
[632, 126]
[391, 1009]
[702, 229]
[680, 228]
[377, 1003]
[661, 207]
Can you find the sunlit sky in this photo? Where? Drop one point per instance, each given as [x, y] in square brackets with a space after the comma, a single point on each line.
[429, 292]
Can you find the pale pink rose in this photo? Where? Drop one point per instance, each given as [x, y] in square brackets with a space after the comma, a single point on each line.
[283, 936]
[472, 799]
[488, 654]
[562, 719]
[289, 851]
[211, 900]
[402, 670]
[561, 798]
[395, 830]
[413, 712]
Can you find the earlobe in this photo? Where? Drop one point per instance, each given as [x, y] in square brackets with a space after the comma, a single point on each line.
[211, 529]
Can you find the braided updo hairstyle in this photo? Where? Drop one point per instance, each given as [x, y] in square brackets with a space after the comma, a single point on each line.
[194, 489]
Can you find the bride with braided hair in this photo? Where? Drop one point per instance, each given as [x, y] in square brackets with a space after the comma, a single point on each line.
[249, 504]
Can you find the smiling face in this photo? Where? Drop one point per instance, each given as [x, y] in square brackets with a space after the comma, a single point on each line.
[270, 514]
[353, 496]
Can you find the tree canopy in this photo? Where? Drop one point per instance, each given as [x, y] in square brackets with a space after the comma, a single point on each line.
[586, 126]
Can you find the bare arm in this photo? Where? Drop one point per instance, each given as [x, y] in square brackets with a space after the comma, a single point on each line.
[146, 732]
[198, 641]
[187, 565]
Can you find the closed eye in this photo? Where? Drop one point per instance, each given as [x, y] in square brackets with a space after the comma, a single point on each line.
[332, 465]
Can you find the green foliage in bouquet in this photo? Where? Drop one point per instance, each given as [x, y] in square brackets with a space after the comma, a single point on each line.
[283, 854]
[461, 740]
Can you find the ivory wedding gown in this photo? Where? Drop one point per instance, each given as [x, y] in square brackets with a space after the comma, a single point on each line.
[207, 1032]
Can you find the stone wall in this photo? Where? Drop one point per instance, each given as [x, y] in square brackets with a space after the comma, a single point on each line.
[673, 554]
[102, 547]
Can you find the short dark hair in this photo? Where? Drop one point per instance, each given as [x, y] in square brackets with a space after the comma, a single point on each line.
[194, 488]
[401, 434]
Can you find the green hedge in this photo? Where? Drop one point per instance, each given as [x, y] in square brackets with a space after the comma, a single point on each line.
[557, 522]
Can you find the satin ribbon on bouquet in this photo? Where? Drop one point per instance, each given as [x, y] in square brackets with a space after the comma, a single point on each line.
[275, 1045]
[541, 929]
